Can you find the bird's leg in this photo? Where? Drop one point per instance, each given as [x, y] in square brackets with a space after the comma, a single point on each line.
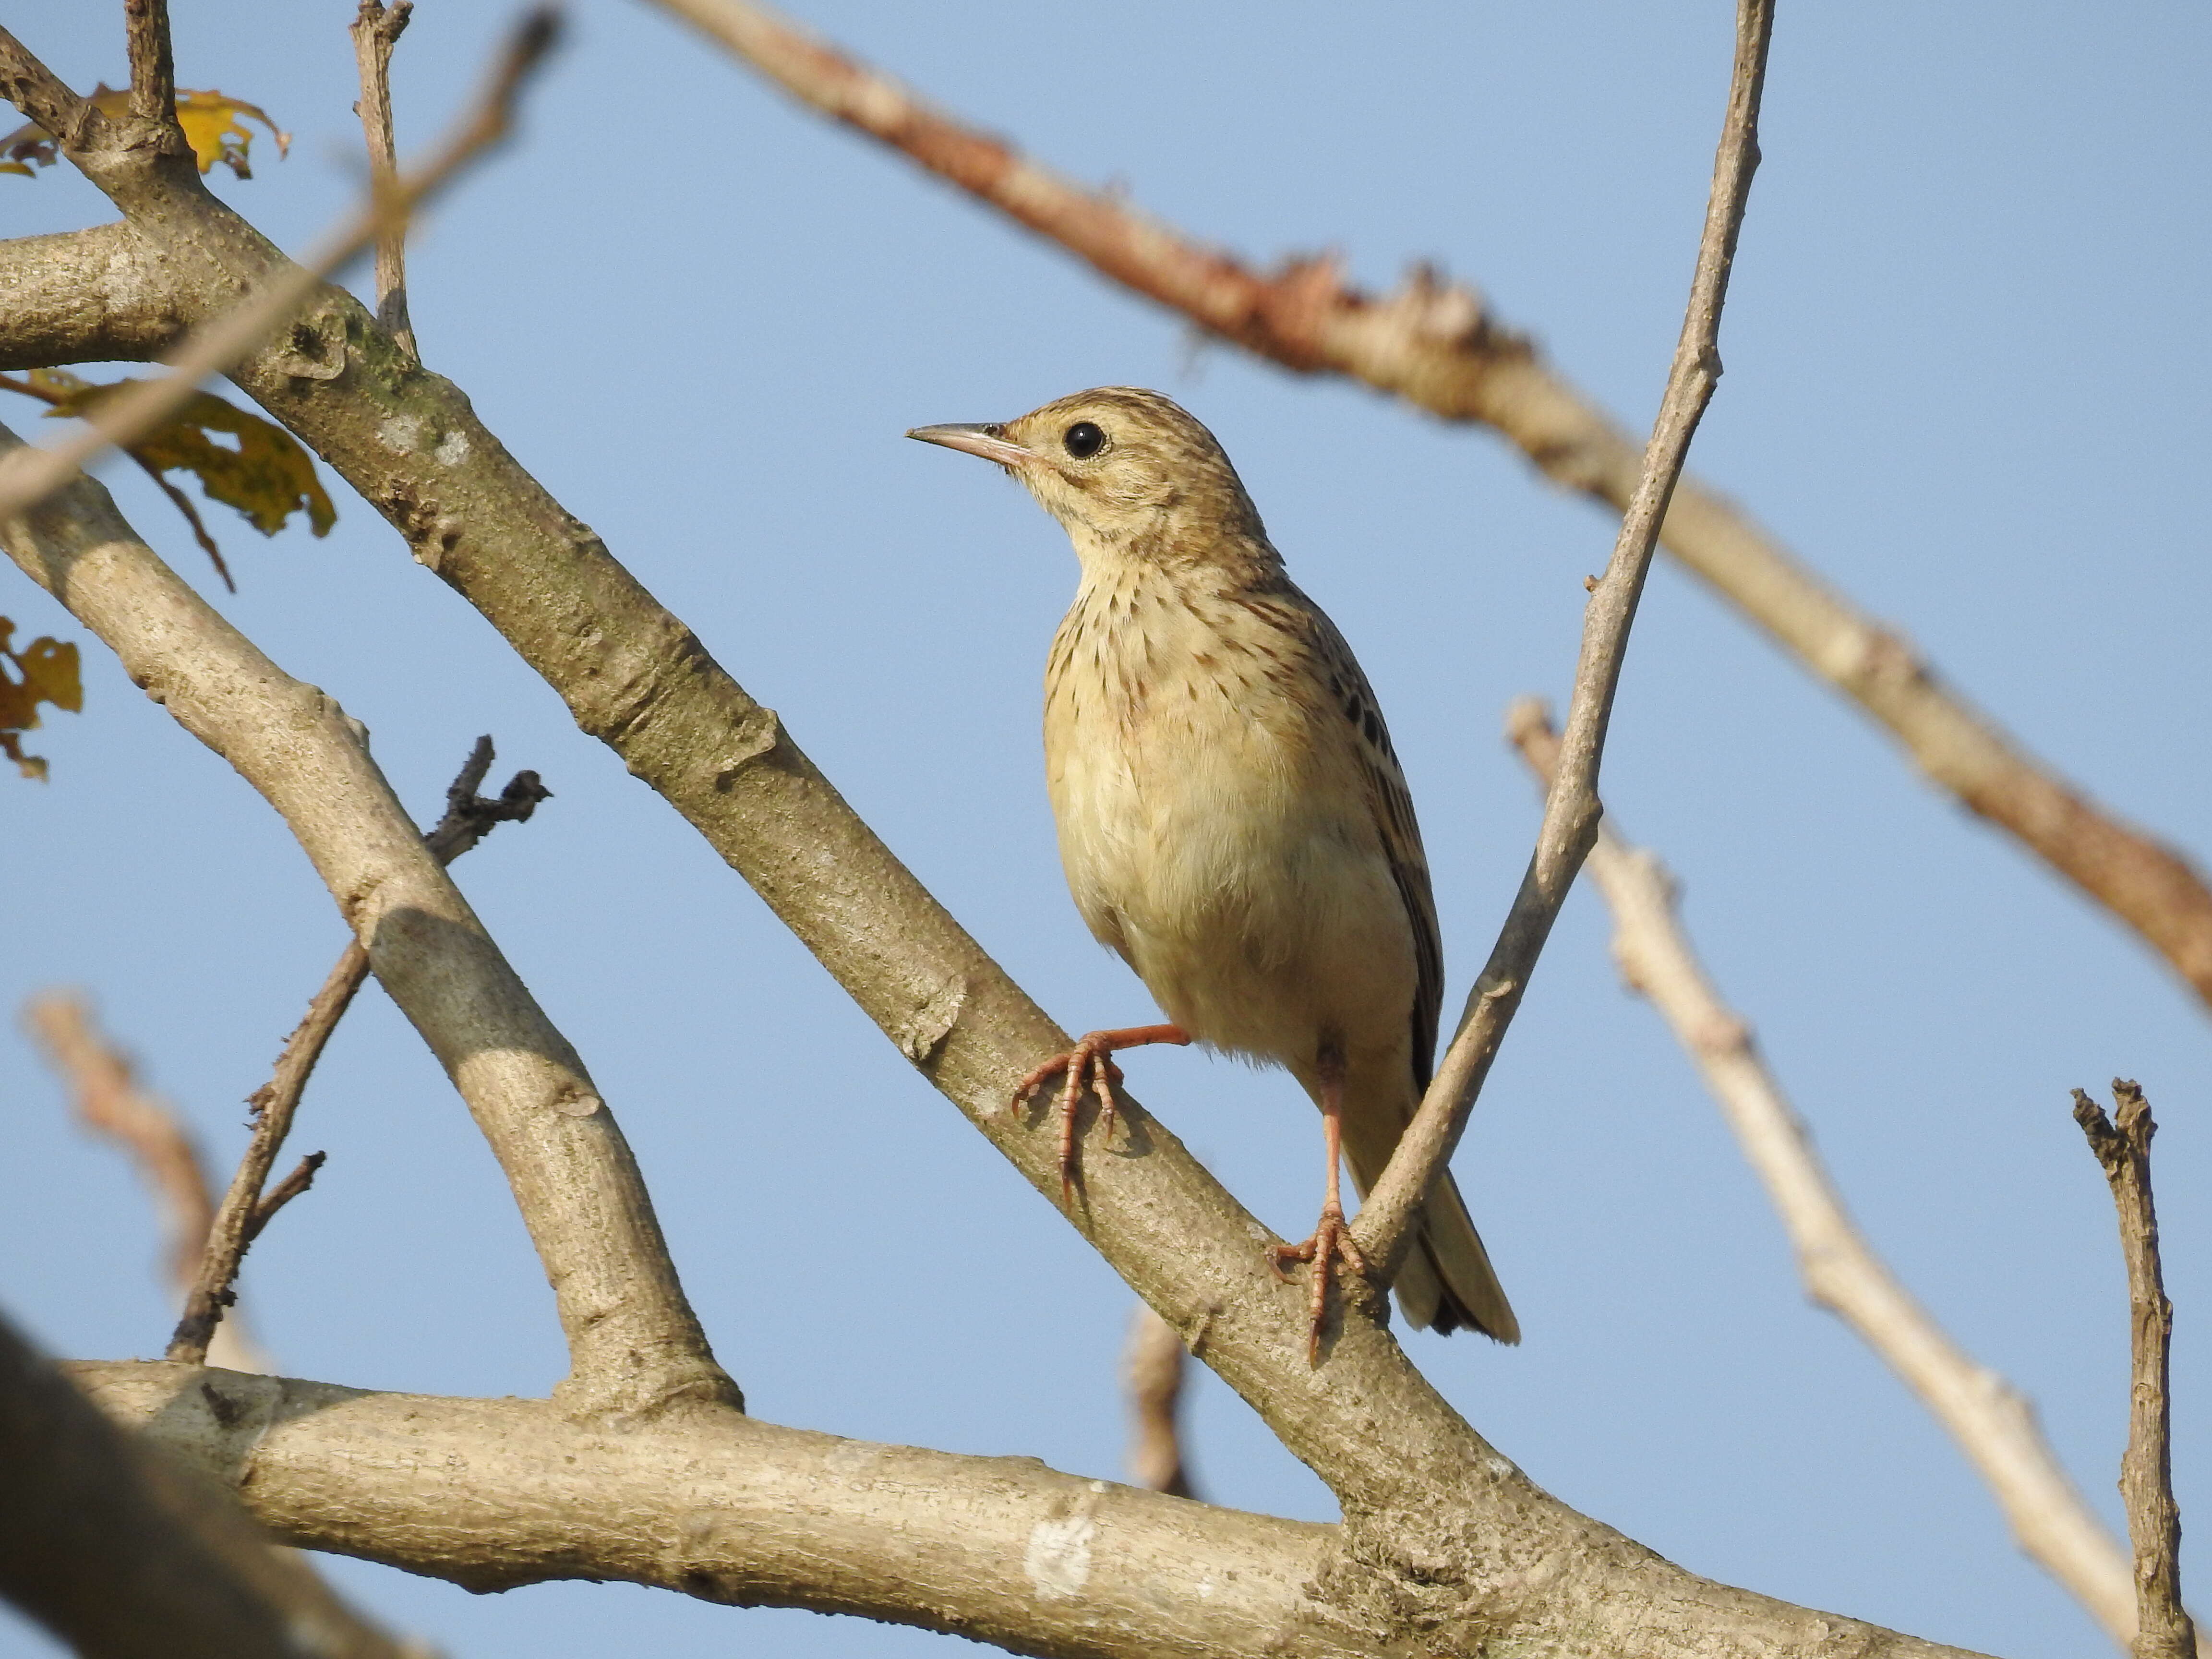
[1332, 1235]
[1090, 1060]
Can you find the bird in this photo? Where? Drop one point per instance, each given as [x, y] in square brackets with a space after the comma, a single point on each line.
[1232, 819]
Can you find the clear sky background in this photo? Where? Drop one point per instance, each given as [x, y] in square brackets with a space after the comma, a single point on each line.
[1967, 355]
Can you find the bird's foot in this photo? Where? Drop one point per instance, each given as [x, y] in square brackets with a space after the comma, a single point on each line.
[1331, 1242]
[1090, 1061]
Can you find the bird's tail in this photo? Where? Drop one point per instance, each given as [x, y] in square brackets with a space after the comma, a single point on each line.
[1447, 1283]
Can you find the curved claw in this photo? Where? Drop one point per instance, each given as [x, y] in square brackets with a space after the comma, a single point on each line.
[1091, 1060]
[1332, 1242]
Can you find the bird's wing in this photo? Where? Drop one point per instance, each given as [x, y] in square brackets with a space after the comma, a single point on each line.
[1392, 805]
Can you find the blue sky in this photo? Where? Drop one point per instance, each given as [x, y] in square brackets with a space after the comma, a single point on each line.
[1966, 352]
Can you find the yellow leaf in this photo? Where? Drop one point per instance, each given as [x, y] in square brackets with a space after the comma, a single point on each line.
[215, 127]
[214, 124]
[45, 671]
[262, 471]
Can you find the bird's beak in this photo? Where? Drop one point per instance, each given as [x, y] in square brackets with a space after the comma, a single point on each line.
[988, 442]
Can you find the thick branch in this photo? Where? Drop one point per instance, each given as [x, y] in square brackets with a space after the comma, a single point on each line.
[1991, 1421]
[84, 296]
[124, 1553]
[1386, 1220]
[1438, 346]
[633, 1341]
[494, 1493]
[2146, 1470]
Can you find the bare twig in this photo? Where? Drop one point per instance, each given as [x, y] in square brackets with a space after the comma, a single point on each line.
[376, 29]
[2122, 1147]
[112, 1543]
[245, 1210]
[302, 1178]
[1990, 1421]
[1572, 810]
[1152, 1368]
[29, 474]
[152, 65]
[1437, 345]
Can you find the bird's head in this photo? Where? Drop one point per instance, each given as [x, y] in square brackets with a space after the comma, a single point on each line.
[1126, 470]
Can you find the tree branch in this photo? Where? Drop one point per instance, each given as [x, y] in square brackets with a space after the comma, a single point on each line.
[1438, 346]
[1990, 1421]
[84, 296]
[122, 1552]
[153, 65]
[494, 1493]
[635, 1344]
[37, 91]
[2147, 1471]
[29, 474]
[376, 29]
[245, 1210]
[1385, 1224]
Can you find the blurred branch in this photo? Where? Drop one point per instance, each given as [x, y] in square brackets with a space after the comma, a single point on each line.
[1153, 1368]
[1988, 1419]
[1437, 345]
[635, 1344]
[121, 1551]
[376, 29]
[178, 499]
[1389, 1213]
[2164, 1628]
[109, 1100]
[246, 1209]
[29, 474]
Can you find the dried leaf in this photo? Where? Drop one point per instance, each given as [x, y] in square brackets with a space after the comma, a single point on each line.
[263, 471]
[214, 124]
[45, 671]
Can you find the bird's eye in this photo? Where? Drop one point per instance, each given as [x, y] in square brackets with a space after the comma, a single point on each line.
[1083, 440]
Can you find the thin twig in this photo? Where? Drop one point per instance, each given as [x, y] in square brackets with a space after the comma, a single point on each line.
[1437, 345]
[1152, 1366]
[152, 65]
[1992, 1424]
[1384, 1228]
[28, 475]
[245, 1210]
[2164, 1630]
[376, 29]
[302, 1178]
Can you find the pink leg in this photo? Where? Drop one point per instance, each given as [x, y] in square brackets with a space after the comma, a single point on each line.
[1332, 1235]
[1090, 1059]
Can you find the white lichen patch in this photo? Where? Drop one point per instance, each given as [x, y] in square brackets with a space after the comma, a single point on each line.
[452, 449]
[400, 433]
[1057, 1560]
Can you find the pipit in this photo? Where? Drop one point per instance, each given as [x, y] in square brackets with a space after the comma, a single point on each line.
[1232, 818]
